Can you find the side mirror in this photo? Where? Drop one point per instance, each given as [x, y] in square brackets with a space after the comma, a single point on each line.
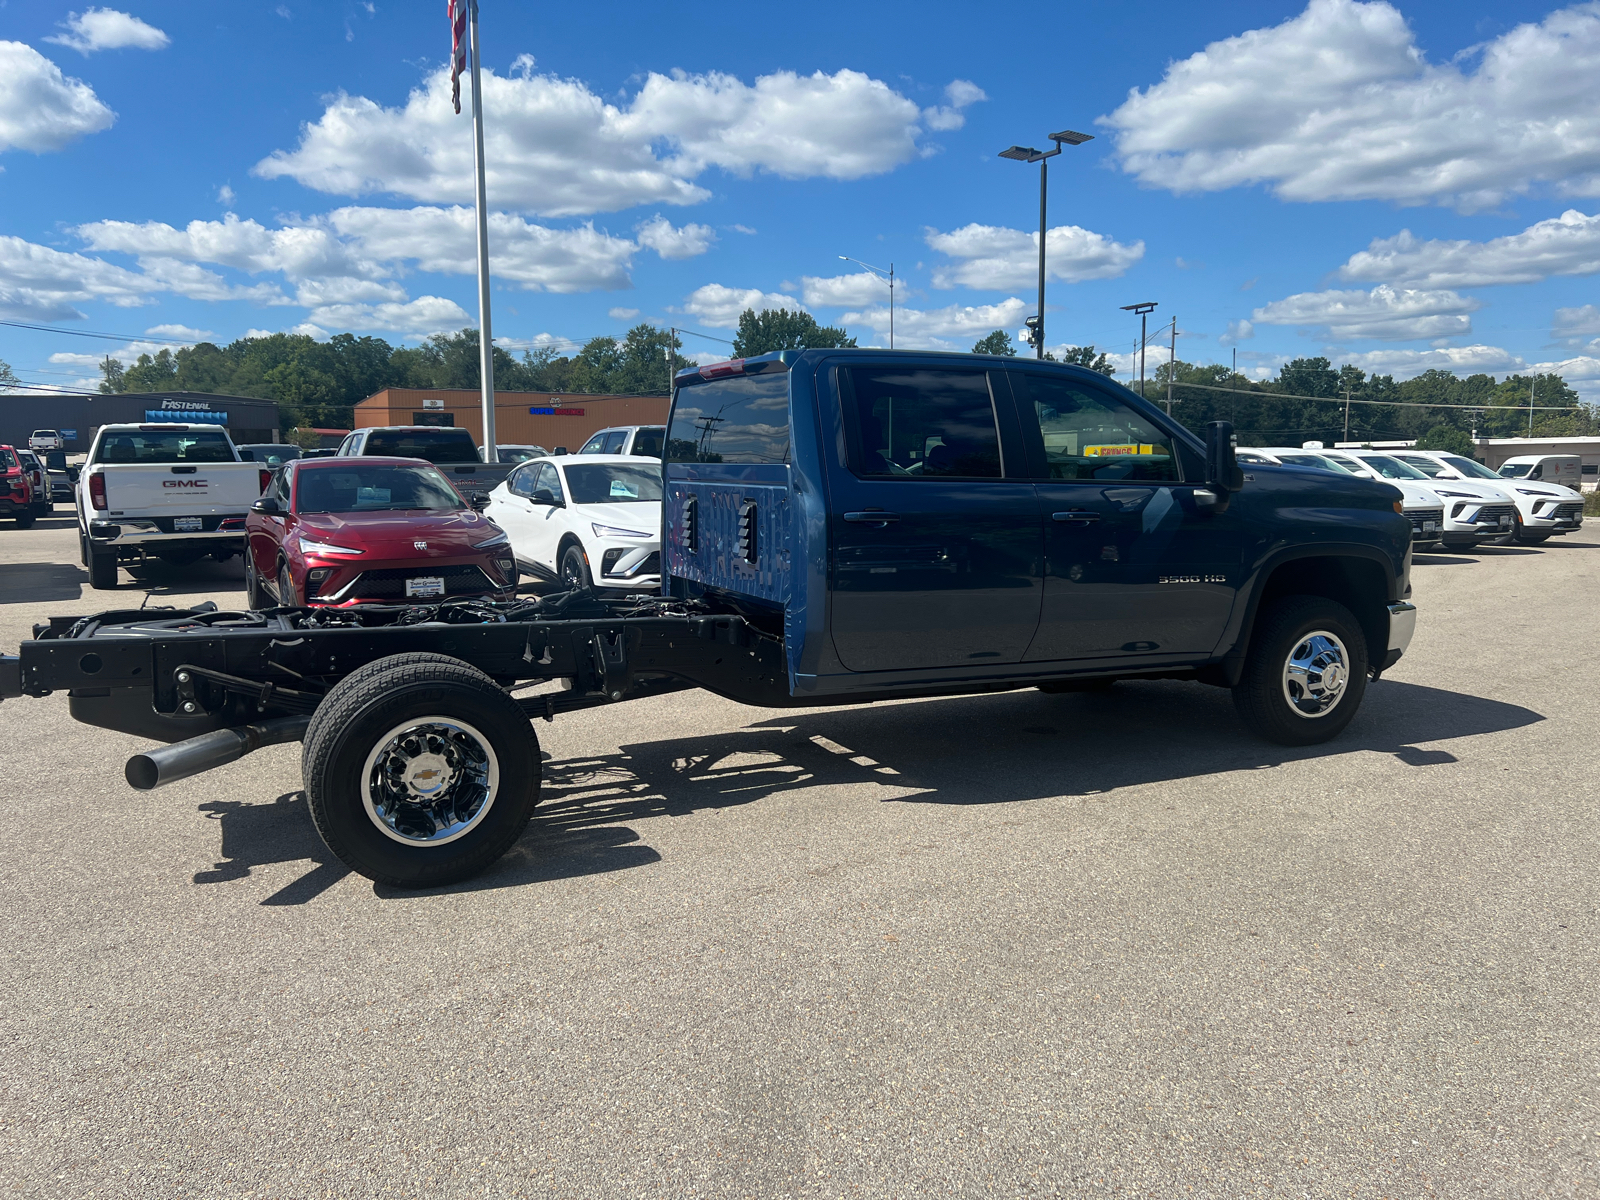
[479, 501]
[560, 450]
[1224, 476]
[72, 474]
[266, 505]
[546, 496]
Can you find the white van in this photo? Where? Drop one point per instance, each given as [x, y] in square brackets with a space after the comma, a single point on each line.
[1564, 469]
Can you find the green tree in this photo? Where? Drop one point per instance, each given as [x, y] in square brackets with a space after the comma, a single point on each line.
[8, 377]
[780, 329]
[1448, 439]
[151, 374]
[306, 439]
[998, 342]
[1086, 356]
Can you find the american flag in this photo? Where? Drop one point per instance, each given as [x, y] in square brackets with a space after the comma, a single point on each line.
[458, 48]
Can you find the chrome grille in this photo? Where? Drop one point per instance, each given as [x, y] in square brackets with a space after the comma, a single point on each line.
[1565, 512]
[1419, 515]
[1490, 514]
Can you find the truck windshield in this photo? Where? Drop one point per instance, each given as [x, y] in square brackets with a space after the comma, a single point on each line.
[1515, 470]
[443, 446]
[7, 459]
[742, 419]
[144, 446]
[348, 489]
[613, 483]
[1472, 470]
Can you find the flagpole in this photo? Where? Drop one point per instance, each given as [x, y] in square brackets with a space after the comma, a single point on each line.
[491, 448]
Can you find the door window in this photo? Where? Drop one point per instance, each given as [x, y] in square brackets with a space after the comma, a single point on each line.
[550, 480]
[614, 442]
[592, 446]
[920, 423]
[521, 481]
[1090, 434]
[647, 442]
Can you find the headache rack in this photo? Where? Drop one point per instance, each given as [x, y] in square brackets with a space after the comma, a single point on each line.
[172, 674]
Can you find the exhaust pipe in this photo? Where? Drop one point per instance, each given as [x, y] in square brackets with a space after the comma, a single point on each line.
[180, 760]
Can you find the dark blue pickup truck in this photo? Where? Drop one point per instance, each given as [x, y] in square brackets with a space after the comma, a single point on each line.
[839, 526]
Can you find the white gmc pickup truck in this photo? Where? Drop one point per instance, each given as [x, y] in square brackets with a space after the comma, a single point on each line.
[173, 492]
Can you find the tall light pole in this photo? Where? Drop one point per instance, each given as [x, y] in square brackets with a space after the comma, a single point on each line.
[889, 279]
[1028, 154]
[485, 336]
[1144, 309]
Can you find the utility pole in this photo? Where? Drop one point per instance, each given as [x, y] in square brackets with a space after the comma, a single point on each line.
[672, 346]
[1347, 414]
[485, 337]
[1143, 309]
[1533, 386]
[1172, 364]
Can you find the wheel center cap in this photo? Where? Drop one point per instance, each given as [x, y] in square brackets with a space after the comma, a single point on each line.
[428, 775]
[1333, 677]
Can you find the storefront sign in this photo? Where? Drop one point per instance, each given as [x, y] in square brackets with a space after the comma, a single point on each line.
[197, 415]
[557, 412]
[432, 402]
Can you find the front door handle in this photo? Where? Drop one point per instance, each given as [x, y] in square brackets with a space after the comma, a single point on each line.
[871, 518]
[1075, 517]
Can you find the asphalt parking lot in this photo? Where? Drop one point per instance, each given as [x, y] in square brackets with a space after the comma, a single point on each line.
[1017, 945]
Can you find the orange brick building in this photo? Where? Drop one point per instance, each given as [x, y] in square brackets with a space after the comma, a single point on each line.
[566, 420]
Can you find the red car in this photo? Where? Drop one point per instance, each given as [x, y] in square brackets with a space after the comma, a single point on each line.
[370, 531]
[17, 498]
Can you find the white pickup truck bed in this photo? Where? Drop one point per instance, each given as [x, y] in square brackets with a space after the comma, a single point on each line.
[173, 492]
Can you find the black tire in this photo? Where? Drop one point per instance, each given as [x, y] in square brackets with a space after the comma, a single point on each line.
[1521, 537]
[286, 587]
[364, 714]
[255, 596]
[575, 568]
[25, 519]
[1265, 695]
[102, 570]
[44, 509]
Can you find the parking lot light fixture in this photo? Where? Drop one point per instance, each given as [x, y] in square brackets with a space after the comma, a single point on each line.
[1144, 308]
[887, 277]
[1067, 137]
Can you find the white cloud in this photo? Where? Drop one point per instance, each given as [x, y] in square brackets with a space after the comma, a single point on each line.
[720, 306]
[1577, 322]
[923, 327]
[1238, 331]
[182, 333]
[857, 289]
[1000, 259]
[38, 283]
[422, 316]
[1339, 103]
[658, 234]
[226, 196]
[445, 240]
[622, 314]
[1393, 314]
[108, 29]
[959, 94]
[40, 108]
[556, 147]
[742, 229]
[1463, 360]
[1564, 245]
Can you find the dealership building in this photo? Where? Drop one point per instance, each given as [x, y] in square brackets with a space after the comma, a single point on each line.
[520, 418]
[246, 418]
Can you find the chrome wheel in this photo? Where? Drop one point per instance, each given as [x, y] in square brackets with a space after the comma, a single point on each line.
[430, 781]
[1315, 674]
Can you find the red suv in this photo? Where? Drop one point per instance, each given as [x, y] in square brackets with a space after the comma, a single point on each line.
[370, 531]
[17, 497]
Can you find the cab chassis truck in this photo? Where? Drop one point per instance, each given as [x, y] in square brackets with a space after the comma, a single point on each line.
[839, 527]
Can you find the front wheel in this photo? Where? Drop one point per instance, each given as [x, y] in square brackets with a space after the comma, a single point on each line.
[25, 519]
[420, 771]
[255, 596]
[575, 569]
[1306, 672]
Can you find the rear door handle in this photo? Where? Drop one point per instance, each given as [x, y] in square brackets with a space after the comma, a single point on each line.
[1075, 517]
[871, 518]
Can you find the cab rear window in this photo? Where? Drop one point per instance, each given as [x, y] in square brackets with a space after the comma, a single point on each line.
[441, 447]
[742, 419]
[146, 446]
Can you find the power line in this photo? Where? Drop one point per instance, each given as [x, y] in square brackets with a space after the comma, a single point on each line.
[89, 333]
[1206, 387]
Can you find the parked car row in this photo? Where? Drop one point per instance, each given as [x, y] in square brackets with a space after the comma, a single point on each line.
[1451, 500]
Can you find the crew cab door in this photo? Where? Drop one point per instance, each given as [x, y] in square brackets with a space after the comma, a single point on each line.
[934, 528]
[1133, 566]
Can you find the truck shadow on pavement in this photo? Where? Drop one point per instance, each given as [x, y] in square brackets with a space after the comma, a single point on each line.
[995, 749]
[41, 583]
[1021, 745]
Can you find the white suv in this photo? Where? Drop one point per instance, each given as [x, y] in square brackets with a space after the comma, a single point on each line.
[1418, 503]
[1473, 512]
[590, 520]
[1542, 508]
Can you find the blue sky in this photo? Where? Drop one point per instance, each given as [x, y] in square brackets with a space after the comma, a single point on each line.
[1402, 187]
